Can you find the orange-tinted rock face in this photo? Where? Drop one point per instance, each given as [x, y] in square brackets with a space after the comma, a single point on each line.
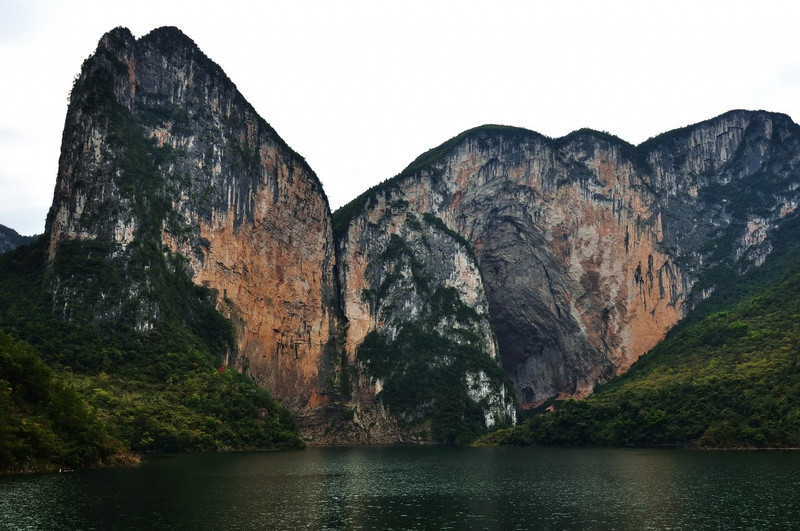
[271, 276]
[589, 247]
[256, 226]
[569, 249]
[161, 146]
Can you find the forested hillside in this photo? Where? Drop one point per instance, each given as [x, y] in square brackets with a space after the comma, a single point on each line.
[112, 390]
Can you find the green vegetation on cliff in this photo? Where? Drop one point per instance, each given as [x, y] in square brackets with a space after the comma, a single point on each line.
[727, 376]
[161, 390]
[44, 423]
[436, 376]
[423, 381]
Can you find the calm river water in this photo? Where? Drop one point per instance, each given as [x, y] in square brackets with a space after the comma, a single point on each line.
[419, 488]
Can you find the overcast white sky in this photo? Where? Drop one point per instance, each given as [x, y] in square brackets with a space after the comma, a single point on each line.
[360, 88]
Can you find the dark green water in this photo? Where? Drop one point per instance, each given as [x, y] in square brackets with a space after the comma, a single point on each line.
[419, 488]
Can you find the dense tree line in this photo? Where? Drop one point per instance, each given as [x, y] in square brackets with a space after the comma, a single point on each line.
[78, 393]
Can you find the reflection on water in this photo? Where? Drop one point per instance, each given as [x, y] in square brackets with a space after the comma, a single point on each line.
[419, 488]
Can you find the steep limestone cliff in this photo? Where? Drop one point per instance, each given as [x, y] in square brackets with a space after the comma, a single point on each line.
[418, 329]
[560, 233]
[167, 171]
[589, 247]
[724, 186]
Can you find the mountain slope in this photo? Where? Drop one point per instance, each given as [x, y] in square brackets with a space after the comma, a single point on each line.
[727, 376]
[44, 424]
[590, 248]
[10, 239]
[419, 333]
[161, 390]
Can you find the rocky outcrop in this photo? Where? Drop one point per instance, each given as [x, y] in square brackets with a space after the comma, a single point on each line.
[590, 247]
[724, 186]
[568, 247]
[166, 167]
[166, 171]
[418, 328]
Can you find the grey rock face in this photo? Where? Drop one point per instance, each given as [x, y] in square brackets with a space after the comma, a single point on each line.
[528, 291]
[590, 248]
[723, 186]
[417, 312]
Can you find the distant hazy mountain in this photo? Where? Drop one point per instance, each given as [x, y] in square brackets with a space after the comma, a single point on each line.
[10, 239]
